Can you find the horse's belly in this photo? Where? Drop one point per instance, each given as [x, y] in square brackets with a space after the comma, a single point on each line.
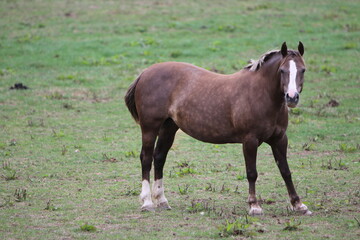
[210, 137]
[209, 131]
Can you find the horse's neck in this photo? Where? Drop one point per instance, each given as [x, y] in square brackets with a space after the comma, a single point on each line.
[270, 77]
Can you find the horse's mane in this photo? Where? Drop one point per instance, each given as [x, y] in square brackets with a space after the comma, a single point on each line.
[255, 65]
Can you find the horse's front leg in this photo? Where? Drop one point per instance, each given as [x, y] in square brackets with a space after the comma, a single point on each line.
[250, 147]
[279, 149]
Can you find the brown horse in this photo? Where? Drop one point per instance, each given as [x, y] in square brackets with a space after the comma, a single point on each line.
[248, 107]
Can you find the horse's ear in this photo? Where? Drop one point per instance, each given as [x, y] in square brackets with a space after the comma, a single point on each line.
[301, 48]
[284, 49]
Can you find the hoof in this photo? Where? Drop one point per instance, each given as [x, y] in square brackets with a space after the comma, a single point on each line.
[148, 208]
[256, 210]
[302, 209]
[164, 206]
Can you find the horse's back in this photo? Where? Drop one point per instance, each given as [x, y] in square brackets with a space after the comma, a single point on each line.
[164, 82]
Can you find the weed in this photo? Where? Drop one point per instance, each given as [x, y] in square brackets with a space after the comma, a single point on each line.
[8, 202]
[352, 27]
[20, 195]
[149, 41]
[328, 165]
[30, 123]
[347, 148]
[237, 189]
[131, 191]
[295, 111]
[309, 146]
[215, 169]
[214, 46]
[358, 222]
[131, 154]
[328, 69]
[9, 173]
[268, 201]
[175, 54]
[229, 167]
[259, 7]
[338, 165]
[6, 72]
[141, 29]
[72, 78]
[297, 120]
[56, 95]
[241, 177]
[147, 53]
[105, 138]
[133, 44]
[210, 188]
[224, 189]
[185, 171]
[87, 228]
[184, 190]
[33, 123]
[313, 103]
[243, 226]
[226, 28]
[13, 142]
[27, 38]
[183, 164]
[292, 225]
[103, 61]
[58, 134]
[78, 147]
[66, 77]
[199, 206]
[143, 42]
[350, 45]
[64, 150]
[50, 206]
[318, 137]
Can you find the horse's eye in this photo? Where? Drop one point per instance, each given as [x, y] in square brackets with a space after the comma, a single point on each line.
[282, 71]
[303, 70]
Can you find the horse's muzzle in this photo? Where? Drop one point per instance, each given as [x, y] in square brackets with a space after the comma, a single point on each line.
[292, 101]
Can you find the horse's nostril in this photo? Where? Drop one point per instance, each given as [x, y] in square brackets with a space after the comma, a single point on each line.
[287, 97]
[293, 99]
[296, 97]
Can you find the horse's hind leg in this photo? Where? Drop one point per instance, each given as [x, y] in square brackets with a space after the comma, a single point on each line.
[164, 143]
[148, 141]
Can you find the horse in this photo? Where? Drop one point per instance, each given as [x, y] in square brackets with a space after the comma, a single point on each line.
[248, 107]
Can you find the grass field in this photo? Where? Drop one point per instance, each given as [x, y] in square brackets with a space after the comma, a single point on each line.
[69, 149]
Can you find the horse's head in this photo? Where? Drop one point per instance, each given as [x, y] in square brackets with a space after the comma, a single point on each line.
[291, 70]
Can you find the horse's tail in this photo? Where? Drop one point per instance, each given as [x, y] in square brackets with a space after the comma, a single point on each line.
[130, 99]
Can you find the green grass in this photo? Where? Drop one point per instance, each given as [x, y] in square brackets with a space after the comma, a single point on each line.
[69, 149]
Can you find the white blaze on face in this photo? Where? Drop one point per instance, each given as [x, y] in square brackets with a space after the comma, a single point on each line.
[292, 79]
